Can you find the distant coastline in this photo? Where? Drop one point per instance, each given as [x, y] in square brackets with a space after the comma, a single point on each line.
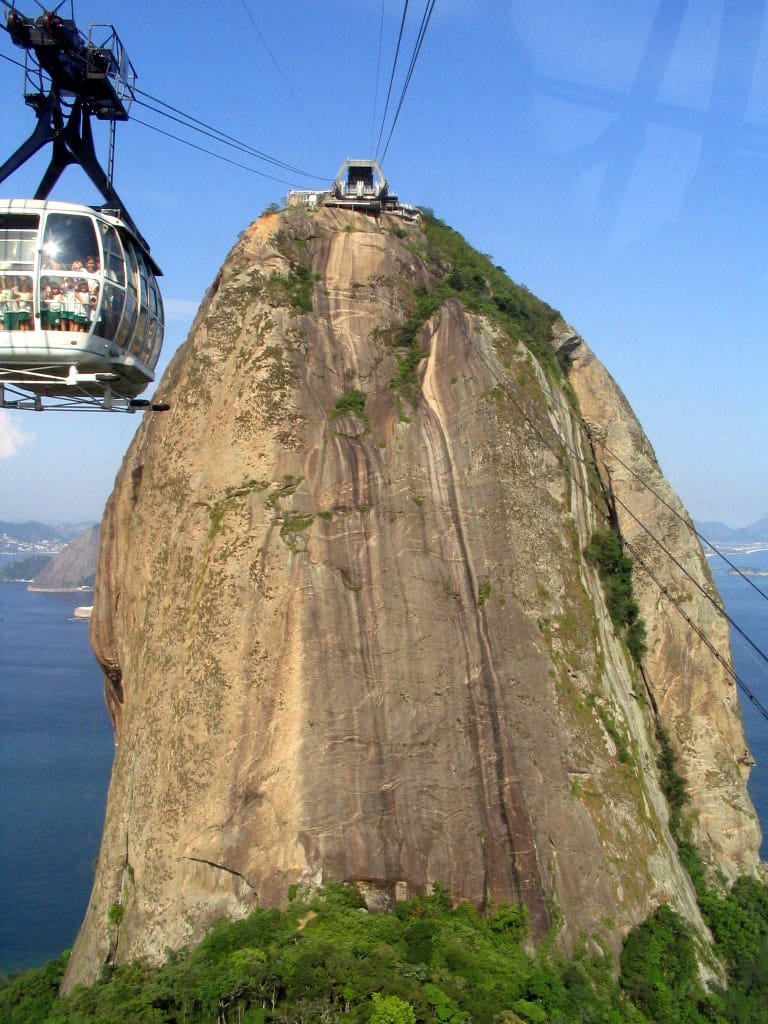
[741, 548]
[46, 590]
[55, 590]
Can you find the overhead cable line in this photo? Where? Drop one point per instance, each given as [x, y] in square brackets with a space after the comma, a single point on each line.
[210, 152]
[609, 492]
[378, 74]
[665, 590]
[206, 129]
[226, 140]
[12, 61]
[637, 559]
[718, 607]
[686, 522]
[280, 72]
[391, 79]
[417, 50]
[195, 124]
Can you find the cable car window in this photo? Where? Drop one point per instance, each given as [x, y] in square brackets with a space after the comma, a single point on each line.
[69, 243]
[18, 240]
[128, 323]
[149, 342]
[65, 303]
[160, 309]
[114, 265]
[132, 268]
[155, 330]
[109, 312]
[151, 299]
[138, 342]
[125, 338]
[16, 303]
[154, 340]
[155, 354]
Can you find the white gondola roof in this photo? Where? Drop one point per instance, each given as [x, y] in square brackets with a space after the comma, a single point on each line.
[111, 217]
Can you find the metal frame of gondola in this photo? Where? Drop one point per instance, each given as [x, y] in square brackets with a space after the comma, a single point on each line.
[68, 80]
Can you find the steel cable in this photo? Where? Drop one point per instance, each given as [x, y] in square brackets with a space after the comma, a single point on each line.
[391, 78]
[417, 50]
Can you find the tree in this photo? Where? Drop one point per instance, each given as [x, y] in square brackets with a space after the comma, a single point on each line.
[659, 970]
[391, 1010]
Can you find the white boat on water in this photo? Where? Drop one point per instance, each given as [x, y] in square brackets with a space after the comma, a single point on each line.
[83, 611]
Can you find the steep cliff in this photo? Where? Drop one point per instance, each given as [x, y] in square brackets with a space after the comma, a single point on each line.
[347, 626]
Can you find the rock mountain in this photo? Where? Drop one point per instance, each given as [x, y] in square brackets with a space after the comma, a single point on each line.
[346, 623]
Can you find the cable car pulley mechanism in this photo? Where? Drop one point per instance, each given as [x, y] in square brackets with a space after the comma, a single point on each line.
[81, 315]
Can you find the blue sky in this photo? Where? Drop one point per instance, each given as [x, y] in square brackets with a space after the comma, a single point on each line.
[612, 157]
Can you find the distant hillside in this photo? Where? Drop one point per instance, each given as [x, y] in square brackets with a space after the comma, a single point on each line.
[719, 532]
[32, 538]
[73, 567]
[23, 569]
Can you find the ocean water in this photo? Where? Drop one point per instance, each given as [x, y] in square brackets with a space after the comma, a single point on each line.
[56, 750]
[749, 610]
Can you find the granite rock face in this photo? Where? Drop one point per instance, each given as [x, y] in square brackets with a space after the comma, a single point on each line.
[348, 631]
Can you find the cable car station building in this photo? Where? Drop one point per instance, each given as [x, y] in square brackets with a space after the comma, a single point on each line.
[359, 185]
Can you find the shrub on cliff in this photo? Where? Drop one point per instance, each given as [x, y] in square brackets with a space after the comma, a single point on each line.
[615, 571]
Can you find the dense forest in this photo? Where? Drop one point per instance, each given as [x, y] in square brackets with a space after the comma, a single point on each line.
[325, 958]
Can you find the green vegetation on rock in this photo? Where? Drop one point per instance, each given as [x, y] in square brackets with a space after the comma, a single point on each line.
[462, 273]
[351, 403]
[659, 969]
[615, 571]
[326, 959]
[486, 289]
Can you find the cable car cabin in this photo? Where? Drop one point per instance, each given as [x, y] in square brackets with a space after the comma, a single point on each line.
[79, 303]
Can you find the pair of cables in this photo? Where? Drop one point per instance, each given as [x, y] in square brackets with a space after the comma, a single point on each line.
[558, 446]
[425, 20]
[158, 106]
[172, 113]
[544, 429]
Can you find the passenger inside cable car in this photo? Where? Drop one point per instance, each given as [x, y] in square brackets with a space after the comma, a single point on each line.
[16, 303]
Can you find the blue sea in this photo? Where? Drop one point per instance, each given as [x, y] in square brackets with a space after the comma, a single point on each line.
[56, 750]
[749, 610]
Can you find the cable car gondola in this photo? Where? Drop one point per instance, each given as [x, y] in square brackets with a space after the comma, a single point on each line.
[81, 315]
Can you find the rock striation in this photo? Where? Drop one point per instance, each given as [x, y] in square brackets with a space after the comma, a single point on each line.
[347, 627]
